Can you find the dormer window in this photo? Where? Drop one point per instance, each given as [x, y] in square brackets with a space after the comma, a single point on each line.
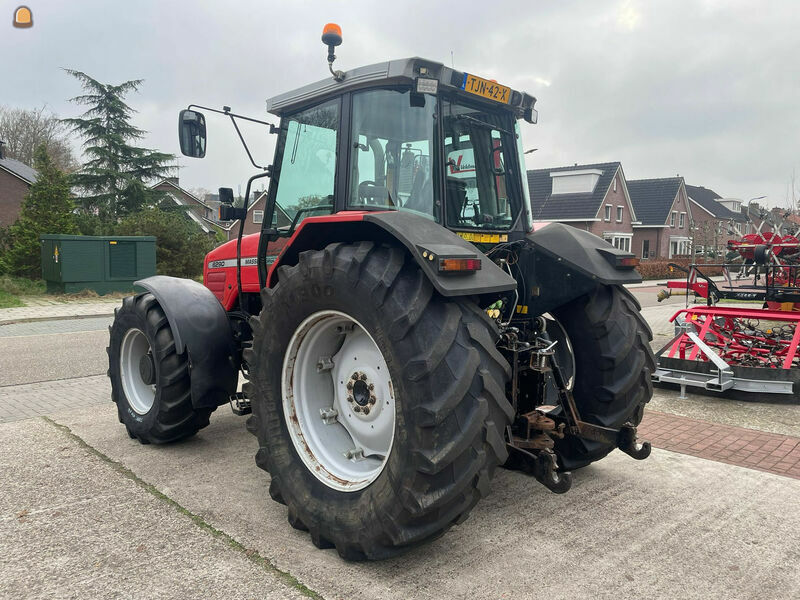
[579, 181]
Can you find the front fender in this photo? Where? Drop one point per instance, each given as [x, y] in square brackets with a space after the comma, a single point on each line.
[200, 327]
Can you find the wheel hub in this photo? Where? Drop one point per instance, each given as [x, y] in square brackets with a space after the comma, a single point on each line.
[137, 371]
[147, 369]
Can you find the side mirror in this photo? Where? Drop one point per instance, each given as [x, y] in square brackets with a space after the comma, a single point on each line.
[227, 211]
[226, 195]
[192, 133]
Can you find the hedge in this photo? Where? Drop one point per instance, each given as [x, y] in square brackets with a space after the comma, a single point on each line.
[659, 269]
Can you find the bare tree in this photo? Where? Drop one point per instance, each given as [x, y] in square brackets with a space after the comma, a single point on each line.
[22, 130]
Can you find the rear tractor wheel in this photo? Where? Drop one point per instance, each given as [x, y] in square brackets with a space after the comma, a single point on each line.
[611, 366]
[149, 380]
[379, 407]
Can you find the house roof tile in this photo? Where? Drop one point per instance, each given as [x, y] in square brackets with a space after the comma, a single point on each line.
[652, 198]
[19, 169]
[708, 200]
[568, 206]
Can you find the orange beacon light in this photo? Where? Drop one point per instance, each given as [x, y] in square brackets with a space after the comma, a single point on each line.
[23, 17]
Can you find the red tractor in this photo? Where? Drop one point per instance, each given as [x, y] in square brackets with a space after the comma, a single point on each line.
[400, 327]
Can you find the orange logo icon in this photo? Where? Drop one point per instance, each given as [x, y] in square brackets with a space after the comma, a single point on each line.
[23, 17]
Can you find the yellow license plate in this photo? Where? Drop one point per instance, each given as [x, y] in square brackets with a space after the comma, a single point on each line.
[482, 238]
[486, 89]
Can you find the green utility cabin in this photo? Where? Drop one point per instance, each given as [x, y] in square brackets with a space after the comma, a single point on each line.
[73, 263]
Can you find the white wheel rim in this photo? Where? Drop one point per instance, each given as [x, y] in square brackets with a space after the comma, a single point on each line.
[338, 401]
[140, 395]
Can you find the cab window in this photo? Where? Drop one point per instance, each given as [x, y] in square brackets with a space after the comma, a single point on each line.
[392, 145]
[308, 163]
[477, 175]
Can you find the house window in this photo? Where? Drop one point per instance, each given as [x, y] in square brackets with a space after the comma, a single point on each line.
[645, 248]
[258, 216]
[622, 241]
[619, 214]
[608, 212]
[681, 220]
[672, 218]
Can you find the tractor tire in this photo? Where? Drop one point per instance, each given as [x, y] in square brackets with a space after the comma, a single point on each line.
[149, 380]
[442, 385]
[613, 363]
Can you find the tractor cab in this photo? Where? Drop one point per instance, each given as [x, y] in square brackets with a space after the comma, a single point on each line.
[408, 135]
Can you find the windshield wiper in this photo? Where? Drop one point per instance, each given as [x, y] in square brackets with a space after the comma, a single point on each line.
[481, 123]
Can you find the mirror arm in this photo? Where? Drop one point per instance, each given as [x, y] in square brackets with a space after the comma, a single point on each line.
[246, 149]
[226, 110]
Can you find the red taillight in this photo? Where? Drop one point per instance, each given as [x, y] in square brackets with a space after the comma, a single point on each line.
[456, 265]
[630, 261]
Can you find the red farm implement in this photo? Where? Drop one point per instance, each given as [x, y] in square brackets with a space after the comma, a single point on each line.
[749, 352]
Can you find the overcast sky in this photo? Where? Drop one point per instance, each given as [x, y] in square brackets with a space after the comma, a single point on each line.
[706, 89]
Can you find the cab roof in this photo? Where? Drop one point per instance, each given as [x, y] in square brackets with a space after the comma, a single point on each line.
[403, 71]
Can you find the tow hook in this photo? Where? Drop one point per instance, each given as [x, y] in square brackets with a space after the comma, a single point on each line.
[545, 469]
[627, 442]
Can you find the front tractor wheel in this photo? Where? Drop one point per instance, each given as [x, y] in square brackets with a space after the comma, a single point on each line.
[149, 380]
[379, 406]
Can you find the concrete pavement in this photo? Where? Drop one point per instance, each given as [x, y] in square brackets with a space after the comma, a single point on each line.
[75, 525]
[673, 526]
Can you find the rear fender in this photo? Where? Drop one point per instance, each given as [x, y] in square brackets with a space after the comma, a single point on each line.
[200, 327]
[424, 239]
[564, 263]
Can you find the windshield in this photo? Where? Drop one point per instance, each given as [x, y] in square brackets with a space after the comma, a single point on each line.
[478, 177]
[393, 140]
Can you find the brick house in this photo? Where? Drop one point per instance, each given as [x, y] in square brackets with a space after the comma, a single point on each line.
[665, 216]
[16, 179]
[713, 223]
[591, 197]
[255, 217]
[199, 212]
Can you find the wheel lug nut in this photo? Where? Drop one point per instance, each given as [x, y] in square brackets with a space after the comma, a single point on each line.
[350, 399]
[366, 410]
[349, 385]
[363, 377]
[354, 376]
[371, 386]
[357, 408]
[372, 399]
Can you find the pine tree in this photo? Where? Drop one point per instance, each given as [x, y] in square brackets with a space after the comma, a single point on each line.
[113, 178]
[47, 208]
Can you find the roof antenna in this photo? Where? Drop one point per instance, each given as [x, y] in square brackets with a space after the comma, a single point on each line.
[332, 37]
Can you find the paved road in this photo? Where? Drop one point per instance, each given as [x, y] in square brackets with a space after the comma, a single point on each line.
[49, 350]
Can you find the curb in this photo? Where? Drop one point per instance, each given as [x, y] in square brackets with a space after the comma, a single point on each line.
[61, 318]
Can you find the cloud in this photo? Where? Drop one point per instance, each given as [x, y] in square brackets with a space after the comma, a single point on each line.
[628, 15]
[704, 88]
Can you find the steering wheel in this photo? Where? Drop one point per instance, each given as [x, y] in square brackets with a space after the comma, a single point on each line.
[363, 195]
